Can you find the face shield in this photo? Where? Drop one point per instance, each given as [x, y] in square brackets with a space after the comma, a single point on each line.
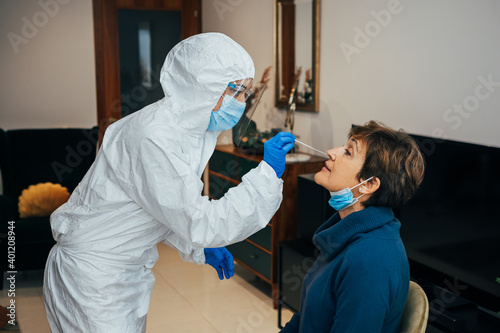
[251, 97]
[240, 90]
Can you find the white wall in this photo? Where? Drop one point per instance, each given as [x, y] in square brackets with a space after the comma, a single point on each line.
[47, 68]
[420, 63]
[426, 59]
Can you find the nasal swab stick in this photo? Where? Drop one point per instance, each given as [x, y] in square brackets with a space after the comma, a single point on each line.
[319, 151]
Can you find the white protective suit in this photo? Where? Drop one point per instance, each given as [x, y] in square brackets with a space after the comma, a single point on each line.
[145, 187]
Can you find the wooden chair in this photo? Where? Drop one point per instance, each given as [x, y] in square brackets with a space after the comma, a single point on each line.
[416, 311]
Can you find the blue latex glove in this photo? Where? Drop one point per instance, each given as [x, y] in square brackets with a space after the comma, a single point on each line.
[220, 259]
[276, 149]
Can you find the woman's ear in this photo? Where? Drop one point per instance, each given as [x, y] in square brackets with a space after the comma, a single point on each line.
[370, 186]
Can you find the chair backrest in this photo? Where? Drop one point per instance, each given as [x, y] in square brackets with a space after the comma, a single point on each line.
[416, 311]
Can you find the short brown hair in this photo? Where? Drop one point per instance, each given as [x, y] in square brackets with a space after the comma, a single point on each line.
[393, 157]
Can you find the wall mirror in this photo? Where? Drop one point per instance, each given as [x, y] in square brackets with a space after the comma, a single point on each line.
[296, 39]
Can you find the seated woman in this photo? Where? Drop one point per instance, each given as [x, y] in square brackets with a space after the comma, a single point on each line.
[359, 282]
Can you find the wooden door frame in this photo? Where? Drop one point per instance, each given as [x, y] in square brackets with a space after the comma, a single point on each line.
[107, 61]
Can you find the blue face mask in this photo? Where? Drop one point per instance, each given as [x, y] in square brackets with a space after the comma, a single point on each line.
[344, 199]
[228, 114]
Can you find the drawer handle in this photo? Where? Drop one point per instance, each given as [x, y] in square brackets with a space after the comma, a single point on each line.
[253, 256]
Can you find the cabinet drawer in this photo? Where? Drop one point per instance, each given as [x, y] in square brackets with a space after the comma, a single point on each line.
[245, 166]
[263, 238]
[252, 256]
[217, 186]
[224, 163]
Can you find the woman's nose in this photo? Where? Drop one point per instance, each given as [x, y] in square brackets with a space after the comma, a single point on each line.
[331, 154]
[334, 152]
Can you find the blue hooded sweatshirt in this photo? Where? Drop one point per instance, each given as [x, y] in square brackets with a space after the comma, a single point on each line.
[360, 280]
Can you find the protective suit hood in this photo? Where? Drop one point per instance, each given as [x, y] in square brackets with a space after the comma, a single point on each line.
[196, 73]
[194, 76]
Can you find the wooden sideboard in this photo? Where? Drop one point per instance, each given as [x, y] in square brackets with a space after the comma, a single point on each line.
[259, 252]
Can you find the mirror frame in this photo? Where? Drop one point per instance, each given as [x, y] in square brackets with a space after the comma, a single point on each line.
[289, 62]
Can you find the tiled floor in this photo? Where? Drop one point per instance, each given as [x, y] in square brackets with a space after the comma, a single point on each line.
[186, 298]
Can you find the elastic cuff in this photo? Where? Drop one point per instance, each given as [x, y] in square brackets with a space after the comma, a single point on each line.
[270, 167]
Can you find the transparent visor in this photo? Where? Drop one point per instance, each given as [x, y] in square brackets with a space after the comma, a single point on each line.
[240, 90]
[251, 98]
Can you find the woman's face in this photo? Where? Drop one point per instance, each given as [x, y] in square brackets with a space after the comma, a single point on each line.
[344, 165]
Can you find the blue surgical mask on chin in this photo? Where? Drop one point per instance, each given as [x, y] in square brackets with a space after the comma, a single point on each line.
[228, 114]
[344, 199]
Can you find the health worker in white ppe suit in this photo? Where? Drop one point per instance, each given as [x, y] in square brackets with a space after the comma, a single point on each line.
[145, 187]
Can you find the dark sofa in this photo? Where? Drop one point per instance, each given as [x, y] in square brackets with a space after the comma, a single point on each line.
[32, 156]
